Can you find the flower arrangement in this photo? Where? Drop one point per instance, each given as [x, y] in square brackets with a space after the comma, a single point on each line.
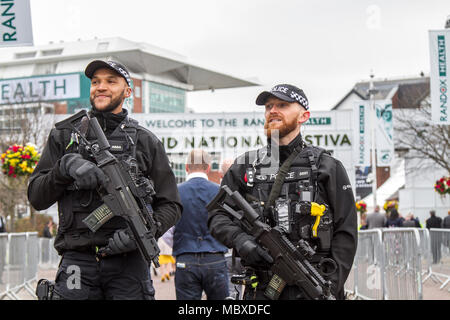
[19, 160]
[389, 205]
[442, 186]
[361, 206]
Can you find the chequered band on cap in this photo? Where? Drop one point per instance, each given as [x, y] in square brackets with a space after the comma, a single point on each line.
[285, 92]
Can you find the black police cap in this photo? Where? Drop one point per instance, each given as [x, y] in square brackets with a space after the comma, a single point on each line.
[112, 65]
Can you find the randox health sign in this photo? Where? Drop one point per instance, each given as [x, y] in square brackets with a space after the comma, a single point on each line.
[439, 53]
[15, 23]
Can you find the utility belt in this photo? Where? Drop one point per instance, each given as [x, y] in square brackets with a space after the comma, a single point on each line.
[82, 240]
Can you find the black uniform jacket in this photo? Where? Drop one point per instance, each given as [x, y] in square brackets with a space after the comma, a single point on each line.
[47, 184]
[334, 190]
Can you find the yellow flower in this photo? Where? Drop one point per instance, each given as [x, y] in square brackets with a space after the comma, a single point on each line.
[23, 165]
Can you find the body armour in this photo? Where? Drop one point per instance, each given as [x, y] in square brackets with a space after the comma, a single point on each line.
[76, 205]
[292, 207]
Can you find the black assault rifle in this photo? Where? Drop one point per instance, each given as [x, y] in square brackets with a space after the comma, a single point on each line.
[291, 265]
[126, 194]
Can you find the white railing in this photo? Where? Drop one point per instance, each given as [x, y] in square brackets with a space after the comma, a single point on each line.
[21, 254]
[393, 263]
[438, 269]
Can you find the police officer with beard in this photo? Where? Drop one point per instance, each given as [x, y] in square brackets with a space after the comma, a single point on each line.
[313, 176]
[105, 264]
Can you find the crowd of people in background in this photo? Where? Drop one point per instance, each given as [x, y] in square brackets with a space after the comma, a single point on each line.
[392, 218]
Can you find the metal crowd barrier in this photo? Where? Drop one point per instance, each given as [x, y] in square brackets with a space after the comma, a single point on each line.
[403, 264]
[3, 275]
[387, 265]
[18, 266]
[31, 270]
[425, 249]
[368, 271]
[15, 267]
[21, 254]
[439, 258]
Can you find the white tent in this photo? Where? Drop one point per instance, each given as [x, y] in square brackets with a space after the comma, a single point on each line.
[390, 186]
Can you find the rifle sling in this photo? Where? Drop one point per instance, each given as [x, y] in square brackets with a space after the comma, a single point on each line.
[282, 172]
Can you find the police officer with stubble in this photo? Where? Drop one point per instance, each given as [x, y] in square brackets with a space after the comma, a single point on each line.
[313, 176]
[105, 264]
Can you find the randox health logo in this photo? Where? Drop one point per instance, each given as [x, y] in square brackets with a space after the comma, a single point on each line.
[362, 131]
[443, 78]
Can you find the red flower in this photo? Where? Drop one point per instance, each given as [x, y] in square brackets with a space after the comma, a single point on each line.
[448, 183]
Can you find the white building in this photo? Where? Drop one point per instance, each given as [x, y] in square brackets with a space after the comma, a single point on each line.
[410, 182]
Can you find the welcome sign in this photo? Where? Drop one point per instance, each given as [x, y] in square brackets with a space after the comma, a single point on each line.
[439, 75]
[232, 134]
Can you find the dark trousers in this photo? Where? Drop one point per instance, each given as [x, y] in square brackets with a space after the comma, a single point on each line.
[436, 242]
[120, 277]
[198, 272]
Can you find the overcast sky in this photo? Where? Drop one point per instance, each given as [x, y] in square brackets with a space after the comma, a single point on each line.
[323, 47]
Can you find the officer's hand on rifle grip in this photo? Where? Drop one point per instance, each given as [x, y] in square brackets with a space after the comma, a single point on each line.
[85, 173]
[251, 253]
[122, 241]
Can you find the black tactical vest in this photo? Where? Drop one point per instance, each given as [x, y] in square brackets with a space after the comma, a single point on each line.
[76, 205]
[300, 185]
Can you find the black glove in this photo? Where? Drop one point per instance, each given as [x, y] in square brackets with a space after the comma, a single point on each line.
[251, 253]
[86, 174]
[122, 241]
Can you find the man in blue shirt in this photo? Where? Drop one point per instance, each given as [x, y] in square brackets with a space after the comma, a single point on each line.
[200, 261]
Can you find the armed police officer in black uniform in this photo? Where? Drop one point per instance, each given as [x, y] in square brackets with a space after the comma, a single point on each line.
[104, 264]
[309, 198]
